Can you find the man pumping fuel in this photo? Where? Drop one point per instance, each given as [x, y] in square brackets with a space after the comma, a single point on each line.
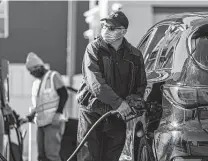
[112, 70]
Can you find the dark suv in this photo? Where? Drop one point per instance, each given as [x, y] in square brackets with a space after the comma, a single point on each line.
[175, 53]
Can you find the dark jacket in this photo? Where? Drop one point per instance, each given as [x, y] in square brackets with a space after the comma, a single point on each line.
[95, 90]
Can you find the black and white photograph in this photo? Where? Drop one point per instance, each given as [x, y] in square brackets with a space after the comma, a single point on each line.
[103, 80]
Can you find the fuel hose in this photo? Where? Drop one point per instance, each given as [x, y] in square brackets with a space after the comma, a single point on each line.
[2, 157]
[89, 132]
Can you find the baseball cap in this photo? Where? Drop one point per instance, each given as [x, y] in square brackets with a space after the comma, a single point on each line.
[118, 18]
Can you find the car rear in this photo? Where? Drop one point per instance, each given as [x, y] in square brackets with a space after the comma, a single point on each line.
[183, 131]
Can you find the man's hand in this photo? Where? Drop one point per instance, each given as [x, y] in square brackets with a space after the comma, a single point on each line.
[32, 114]
[124, 109]
[23, 121]
[135, 101]
[56, 119]
[7, 110]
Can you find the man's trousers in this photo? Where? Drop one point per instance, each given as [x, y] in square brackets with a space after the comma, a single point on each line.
[49, 142]
[106, 142]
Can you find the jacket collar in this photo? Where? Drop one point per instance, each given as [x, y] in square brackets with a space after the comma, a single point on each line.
[128, 52]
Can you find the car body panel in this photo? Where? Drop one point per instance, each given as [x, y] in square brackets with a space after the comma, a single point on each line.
[181, 131]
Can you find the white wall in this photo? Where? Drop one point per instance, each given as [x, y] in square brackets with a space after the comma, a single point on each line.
[139, 22]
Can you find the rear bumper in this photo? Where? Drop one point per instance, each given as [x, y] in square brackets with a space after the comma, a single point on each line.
[178, 144]
[188, 158]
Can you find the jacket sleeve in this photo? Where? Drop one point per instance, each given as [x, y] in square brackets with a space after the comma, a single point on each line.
[141, 78]
[61, 91]
[97, 84]
[63, 95]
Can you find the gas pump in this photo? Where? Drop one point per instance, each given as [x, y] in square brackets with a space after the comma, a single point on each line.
[9, 119]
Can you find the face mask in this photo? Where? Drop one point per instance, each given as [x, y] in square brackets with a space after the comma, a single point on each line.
[38, 73]
[111, 36]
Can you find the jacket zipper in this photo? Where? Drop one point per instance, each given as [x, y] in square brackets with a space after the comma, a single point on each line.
[132, 75]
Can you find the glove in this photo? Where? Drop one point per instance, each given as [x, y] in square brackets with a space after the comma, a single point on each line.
[23, 120]
[135, 101]
[124, 109]
[7, 110]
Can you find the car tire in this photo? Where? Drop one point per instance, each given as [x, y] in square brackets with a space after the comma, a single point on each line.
[145, 151]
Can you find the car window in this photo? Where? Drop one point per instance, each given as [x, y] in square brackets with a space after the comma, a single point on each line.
[165, 59]
[200, 54]
[154, 47]
[151, 57]
[160, 33]
[151, 60]
[144, 43]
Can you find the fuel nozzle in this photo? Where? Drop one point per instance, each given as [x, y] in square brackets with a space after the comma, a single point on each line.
[137, 106]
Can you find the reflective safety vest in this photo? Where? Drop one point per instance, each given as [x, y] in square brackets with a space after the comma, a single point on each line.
[47, 100]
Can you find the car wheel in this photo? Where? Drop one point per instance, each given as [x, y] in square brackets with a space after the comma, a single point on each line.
[145, 151]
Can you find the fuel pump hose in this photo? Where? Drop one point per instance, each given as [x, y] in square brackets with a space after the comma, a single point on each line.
[89, 132]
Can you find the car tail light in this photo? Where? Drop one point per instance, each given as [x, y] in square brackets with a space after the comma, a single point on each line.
[203, 96]
[187, 97]
[183, 96]
[203, 113]
[184, 102]
[203, 117]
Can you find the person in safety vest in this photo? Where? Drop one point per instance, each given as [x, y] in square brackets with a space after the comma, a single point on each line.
[112, 70]
[49, 96]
